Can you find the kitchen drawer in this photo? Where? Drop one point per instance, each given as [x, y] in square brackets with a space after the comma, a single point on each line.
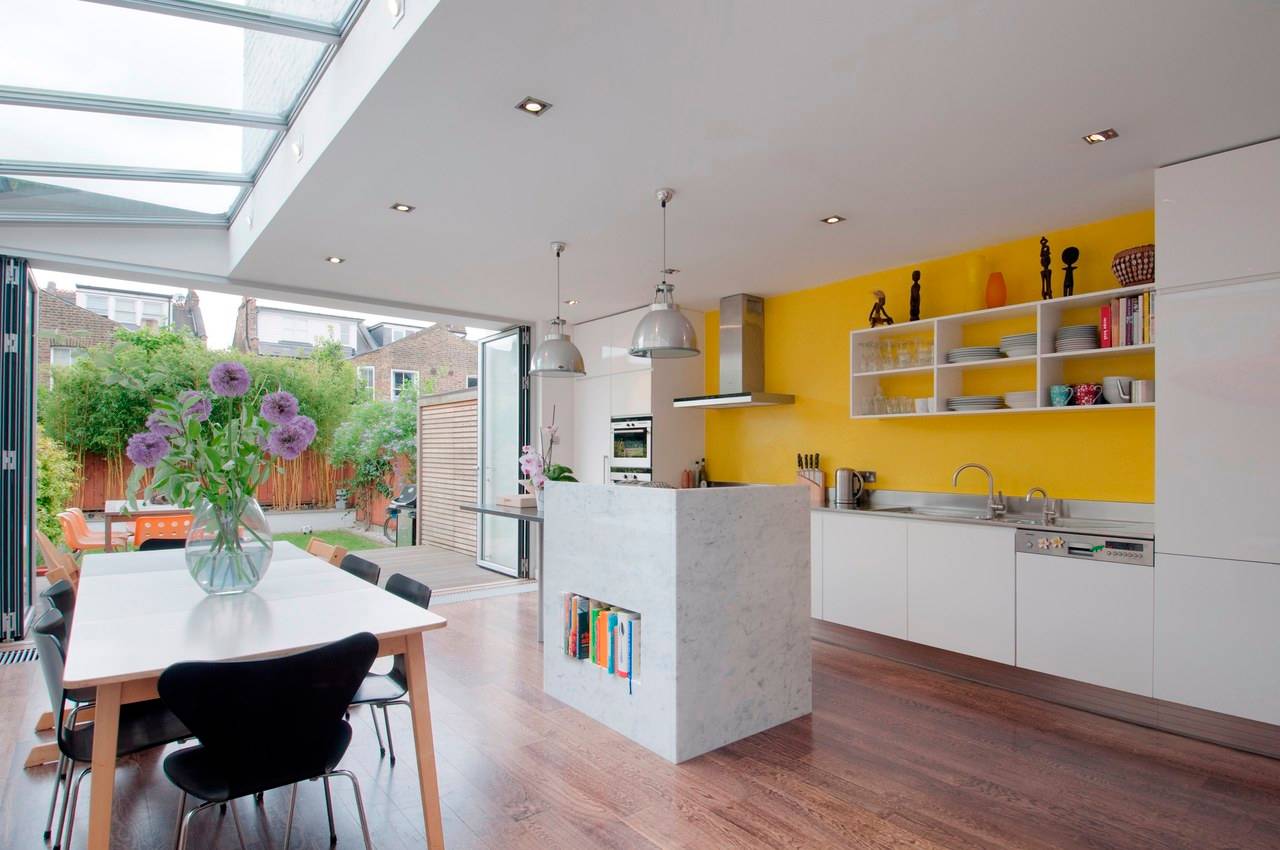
[864, 573]
[960, 588]
[1086, 620]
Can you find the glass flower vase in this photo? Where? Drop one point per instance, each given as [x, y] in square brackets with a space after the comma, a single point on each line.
[229, 547]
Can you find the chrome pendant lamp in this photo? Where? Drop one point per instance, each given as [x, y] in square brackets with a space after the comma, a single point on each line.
[556, 356]
[664, 331]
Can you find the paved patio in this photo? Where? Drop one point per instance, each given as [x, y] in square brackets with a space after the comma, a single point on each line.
[443, 570]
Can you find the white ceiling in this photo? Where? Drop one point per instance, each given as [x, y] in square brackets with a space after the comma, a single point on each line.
[933, 126]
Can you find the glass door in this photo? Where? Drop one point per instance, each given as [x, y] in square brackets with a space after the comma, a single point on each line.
[18, 317]
[502, 544]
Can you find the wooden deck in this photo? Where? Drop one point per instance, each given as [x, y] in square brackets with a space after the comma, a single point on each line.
[443, 570]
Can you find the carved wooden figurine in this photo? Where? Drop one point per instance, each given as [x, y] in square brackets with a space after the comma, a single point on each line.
[1046, 273]
[915, 295]
[1069, 256]
[878, 315]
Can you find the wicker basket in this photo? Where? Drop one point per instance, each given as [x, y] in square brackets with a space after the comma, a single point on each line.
[1135, 266]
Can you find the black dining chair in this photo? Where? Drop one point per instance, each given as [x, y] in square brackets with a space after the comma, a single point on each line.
[380, 690]
[265, 724]
[361, 568]
[143, 725]
[61, 596]
[151, 544]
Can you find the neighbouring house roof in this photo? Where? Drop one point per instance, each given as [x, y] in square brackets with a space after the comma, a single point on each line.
[187, 315]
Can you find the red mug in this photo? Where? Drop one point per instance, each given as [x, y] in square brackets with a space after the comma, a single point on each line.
[1088, 393]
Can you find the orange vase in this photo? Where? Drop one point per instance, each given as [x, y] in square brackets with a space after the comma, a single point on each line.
[997, 294]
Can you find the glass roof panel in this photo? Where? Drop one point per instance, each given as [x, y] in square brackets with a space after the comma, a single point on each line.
[57, 195]
[99, 138]
[323, 11]
[92, 48]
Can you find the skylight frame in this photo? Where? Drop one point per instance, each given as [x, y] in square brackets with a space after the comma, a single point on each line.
[332, 35]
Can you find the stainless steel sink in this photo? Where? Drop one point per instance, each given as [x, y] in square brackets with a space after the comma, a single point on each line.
[976, 514]
[937, 512]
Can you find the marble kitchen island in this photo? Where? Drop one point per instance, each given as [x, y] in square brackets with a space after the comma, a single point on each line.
[720, 580]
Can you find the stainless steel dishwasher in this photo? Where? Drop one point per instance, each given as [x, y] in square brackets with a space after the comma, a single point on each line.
[1085, 608]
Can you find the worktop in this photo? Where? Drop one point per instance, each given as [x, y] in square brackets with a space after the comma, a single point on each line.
[720, 580]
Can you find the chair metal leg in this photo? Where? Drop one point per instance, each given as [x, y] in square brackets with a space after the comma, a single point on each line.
[235, 816]
[66, 803]
[364, 821]
[373, 715]
[182, 810]
[184, 825]
[288, 827]
[53, 801]
[391, 747]
[71, 807]
[328, 807]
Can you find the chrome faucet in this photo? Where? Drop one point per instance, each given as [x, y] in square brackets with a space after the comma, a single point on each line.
[1050, 506]
[996, 507]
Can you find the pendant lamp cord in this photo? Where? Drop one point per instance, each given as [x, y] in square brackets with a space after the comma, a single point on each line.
[558, 252]
[664, 241]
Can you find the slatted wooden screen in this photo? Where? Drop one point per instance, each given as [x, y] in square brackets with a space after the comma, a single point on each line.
[447, 472]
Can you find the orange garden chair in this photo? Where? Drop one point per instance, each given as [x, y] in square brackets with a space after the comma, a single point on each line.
[329, 552]
[76, 533]
[163, 527]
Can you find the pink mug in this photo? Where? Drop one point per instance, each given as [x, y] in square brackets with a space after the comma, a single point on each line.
[1088, 393]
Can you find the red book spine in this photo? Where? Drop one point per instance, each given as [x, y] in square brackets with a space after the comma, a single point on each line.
[1104, 325]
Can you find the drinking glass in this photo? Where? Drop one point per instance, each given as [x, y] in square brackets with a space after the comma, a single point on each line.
[924, 353]
[888, 354]
[869, 352]
[906, 352]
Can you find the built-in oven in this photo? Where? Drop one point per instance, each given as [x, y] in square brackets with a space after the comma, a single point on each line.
[632, 444]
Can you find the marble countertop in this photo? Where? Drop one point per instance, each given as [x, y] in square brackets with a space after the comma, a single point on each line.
[1030, 522]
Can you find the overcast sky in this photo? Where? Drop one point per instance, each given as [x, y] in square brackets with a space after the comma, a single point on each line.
[219, 308]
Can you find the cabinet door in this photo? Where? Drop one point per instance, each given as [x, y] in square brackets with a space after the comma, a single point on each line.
[591, 430]
[1218, 636]
[592, 339]
[621, 329]
[1086, 620]
[630, 394]
[815, 564]
[1216, 409]
[960, 581]
[864, 573]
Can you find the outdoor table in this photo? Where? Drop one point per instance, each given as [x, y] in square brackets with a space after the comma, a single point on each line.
[137, 613]
[118, 509]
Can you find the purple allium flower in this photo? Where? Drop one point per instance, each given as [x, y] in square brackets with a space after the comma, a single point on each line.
[287, 441]
[279, 407]
[308, 426]
[147, 449]
[195, 405]
[229, 379]
[158, 424]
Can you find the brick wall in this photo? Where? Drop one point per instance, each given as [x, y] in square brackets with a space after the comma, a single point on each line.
[434, 353]
[245, 336]
[62, 323]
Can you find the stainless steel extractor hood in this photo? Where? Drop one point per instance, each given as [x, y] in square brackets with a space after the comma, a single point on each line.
[741, 358]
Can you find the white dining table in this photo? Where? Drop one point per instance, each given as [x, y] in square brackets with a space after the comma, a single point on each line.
[139, 612]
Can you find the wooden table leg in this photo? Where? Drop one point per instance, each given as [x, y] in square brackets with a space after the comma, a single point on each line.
[106, 727]
[420, 706]
[106, 534]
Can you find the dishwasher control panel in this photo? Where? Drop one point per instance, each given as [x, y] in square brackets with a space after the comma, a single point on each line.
[1117, 550]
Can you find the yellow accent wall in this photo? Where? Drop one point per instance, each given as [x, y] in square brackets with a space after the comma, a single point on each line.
[1107, 455]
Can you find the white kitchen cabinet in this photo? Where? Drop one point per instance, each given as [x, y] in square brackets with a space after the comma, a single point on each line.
[592, 339]
[1216, 219]
[1086, 620]
[591, 432]
[960, 588]
[1216, 453]
[864, 573]
[631, 394]
[1217, 635]
[815, 564]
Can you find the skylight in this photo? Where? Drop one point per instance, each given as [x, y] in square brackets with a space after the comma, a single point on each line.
[152, 111]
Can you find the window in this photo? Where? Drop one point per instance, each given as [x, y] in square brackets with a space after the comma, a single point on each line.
[155, 314]
[364, 375]
[398, 334]
[472, 381]
[95, 303]
[124, 310]
[294, 329]
[401, 378]
[64, 355]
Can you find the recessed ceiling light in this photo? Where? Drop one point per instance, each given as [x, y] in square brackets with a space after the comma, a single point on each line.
[401, 207]
[533, 106]
[572, 301]
[334, 260]
[1101, 136]
[833, 219]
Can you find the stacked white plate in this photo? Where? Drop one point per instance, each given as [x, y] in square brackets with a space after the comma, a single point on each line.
[1020, 400]
[973, 353]
[1018, 345]
[975, 402]
[1076, 338]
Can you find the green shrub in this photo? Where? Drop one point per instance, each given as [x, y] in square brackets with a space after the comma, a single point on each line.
[57, 476]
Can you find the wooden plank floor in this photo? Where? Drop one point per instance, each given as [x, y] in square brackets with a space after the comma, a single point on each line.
[893, 756]
[441, 569]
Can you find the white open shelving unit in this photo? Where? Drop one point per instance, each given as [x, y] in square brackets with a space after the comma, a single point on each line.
[947, 332]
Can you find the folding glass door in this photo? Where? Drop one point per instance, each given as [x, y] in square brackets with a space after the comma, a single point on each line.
[503, 544]
[17, 437]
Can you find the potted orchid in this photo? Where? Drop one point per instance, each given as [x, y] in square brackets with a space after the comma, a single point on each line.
[216, 464]
[537, 466]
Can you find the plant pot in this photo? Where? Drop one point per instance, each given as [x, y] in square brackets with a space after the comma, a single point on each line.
[229, 547]
[537, 495]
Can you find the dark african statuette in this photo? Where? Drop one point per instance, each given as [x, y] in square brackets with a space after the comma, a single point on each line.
[1069, 256]
[878, 315]
[1046, 273]
[915, 295]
